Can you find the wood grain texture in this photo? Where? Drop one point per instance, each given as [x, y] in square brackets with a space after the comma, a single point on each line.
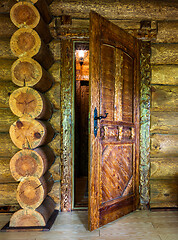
[145, 99]
[163, 193]
[55, 194]
[26, 42]
[5, 174]
[164, 145]
[43, 8]
[164, 74]
[6, 119]
[107, 80]
[28, 102]
[55, 71]
[164, 122]
[30, 133]
[5, 69]
[55, 121]
[167, 32]
[128, 85]
[164, 54]
[164, 98]
[119, 10]
[25, 14]
[55, 47]
[41, 5]
[8, 194]
[66, 121]
[7, 87]
[32, 191]
[5, 5]
[31, 218]
[27, 72]
[55, 144]
[28, 162]
[7, 28]
[5, 51]
[55, 169]
[164, 168]
[107, 167]
[125, 24]
[94, 152]
[54, 95]
[116, 172]
[7, 148]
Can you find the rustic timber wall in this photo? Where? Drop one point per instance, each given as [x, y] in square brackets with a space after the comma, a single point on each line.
[140, 18]
[8, 185]
[164, 116]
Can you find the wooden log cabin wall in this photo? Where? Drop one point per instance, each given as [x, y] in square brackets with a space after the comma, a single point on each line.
[30, 113]
[155, 23]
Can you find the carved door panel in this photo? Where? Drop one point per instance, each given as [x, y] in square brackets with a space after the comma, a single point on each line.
[114, 142]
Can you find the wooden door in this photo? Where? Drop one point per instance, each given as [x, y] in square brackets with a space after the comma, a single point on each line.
[114, 150]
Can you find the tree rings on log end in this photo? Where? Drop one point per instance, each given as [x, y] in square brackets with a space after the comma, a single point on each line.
[24, 14]
[33, 218]
[27, 162]
[27, 102]
[25, 42]
[31, 192]
[27, 218]
[28, 72]
[29, 133]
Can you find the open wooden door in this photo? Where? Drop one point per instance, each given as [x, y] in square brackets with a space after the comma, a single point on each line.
[114, 140]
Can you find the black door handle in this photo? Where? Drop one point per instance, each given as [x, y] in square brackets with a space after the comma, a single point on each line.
[97, 118]
[100, 117]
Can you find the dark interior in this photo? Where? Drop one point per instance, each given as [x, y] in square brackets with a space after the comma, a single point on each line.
[81, 124]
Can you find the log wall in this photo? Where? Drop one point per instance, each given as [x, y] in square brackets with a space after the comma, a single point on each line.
[8, 185]
[7, 149]
[164, 117]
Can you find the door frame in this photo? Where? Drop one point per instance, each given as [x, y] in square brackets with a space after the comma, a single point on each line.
[67, 122]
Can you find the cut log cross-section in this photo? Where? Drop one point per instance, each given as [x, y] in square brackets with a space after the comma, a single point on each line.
[31, 164]
[26, 42]
[28, 162]
[26, 14]
[29, 217]
[32, 191]
[29, 133]
[28, 72]
[28, 102]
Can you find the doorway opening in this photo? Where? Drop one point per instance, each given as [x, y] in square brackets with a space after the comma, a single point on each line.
[81, 111]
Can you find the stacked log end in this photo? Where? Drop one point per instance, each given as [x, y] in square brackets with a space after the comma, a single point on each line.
[32, 131]
[28, 72]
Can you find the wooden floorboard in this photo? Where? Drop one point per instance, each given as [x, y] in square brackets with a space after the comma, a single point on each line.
[139, 225]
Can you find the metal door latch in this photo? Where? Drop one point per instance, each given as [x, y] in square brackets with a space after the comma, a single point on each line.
[96, 118]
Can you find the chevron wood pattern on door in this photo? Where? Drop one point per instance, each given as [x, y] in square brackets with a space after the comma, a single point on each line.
[116, 171]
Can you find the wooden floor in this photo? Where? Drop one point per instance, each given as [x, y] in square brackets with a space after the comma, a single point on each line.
[139, 225]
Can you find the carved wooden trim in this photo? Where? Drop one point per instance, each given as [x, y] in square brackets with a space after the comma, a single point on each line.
[145, 98]
[117, 133]
[66, 125]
